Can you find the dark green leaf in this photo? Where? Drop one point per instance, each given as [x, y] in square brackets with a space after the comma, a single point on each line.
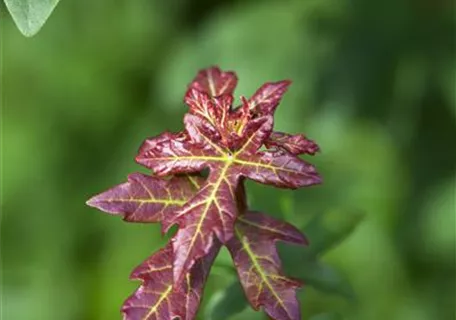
[327, 230]
[326, 279]
[227, 303]
[302, 264]
[324, 231]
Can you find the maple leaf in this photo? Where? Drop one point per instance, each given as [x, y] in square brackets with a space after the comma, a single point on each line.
[213, 109]
[213, 209]
[266, 99]
[258, 265]
[213, 139]
[157, 298]
[295, 144]
[146, 198]
[234, 144]
[214, 82]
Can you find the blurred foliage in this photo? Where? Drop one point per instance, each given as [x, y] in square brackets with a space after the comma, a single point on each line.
[373, 84]
[326, 316]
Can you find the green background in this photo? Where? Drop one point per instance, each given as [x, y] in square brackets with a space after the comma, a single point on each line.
[373, 84]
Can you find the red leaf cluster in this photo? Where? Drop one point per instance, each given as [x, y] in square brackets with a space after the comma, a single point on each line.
[234, 143]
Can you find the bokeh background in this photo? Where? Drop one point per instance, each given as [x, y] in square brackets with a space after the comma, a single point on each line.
[373, 84]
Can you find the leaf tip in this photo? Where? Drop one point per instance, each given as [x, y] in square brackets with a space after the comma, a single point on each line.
[92, 202]
[29, 21]
[301, 239]
[285, 83]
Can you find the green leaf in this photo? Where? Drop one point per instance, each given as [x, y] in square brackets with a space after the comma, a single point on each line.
[30, 15]
[324, 231]
[250, 314]
[226, 303]
[305, 266]
[327, 279]
[327, 230]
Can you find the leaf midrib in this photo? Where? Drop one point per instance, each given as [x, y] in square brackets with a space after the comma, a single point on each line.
[230, 159]
[158, 201]
[209, 201]
[263, 276]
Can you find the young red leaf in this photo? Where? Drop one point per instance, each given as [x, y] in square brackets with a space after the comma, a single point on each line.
[258, 264]
[213, 209]
[266, 99]
[215, 110]
[280, 169]
[215, 82]
[202, 150]
[157, 298]
[147, 199]
[294, 144]
[200, 104]
[229, 142]
[239, 118]
[172, 153]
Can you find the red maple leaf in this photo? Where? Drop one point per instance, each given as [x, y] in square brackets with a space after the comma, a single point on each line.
[234, 143]
[157, 298]
[258, 264]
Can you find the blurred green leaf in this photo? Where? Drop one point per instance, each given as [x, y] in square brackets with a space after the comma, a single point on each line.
[324, 231]
[438, 244]
[224, 304]
[250, 314]
[327, 316]
[223, 264]
[326, 279]
[327, 230]
[303, 265]
[30, 15]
